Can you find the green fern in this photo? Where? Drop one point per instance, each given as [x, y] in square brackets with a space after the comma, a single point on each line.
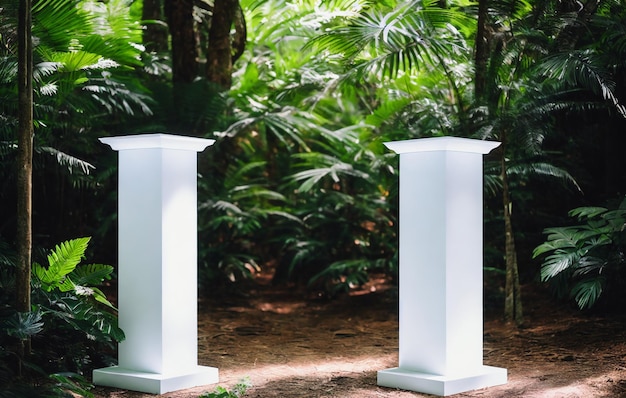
[61, 262]
[65, 274]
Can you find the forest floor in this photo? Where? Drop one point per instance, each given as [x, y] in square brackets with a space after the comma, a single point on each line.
[291, 346]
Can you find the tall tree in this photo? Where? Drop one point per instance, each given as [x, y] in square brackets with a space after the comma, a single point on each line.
[24, 160]
[481, 50]
[221, 52]
[179, 15]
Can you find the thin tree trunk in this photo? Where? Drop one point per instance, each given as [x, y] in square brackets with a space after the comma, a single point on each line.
[513, 298]
[481, 52]
[25, 163]
[219, 67]
[155, 31]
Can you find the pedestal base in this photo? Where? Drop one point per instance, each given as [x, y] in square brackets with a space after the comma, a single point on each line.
[485, 376]
[154, 383]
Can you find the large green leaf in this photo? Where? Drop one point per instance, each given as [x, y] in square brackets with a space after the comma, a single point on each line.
[558, 262]
[587, 292]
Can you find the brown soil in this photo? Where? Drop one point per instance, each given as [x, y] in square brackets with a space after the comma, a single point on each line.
[290, 346]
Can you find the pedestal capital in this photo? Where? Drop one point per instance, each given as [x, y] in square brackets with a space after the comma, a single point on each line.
[432, 144]
[157, 140]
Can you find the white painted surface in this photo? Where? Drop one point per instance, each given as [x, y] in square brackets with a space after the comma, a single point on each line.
[441, 246]
[157, 274]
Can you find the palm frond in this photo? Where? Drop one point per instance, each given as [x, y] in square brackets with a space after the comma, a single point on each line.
[71, 163]
[545, 170]
[285, 124]
[582, 68]
[587, 212]
[557, 238]
[587, 292]
[408, 37]
[320, 166]
[56, 23]
[118, 95]
[558, 262]
[8, 70]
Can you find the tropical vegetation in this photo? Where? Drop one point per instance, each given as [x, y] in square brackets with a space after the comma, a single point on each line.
[300, 96]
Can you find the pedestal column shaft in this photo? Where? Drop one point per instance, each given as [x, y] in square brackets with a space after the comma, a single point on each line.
[157, 259]
[440, 261]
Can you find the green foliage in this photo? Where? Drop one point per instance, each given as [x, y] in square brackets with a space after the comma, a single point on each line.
[238, 390]
[23, 325]
[586, 259]
[304, 171]
[65, 382]
[299, 177]
[409, 37]
[86, 58]
[71, 325]
[63, 274]
[61, 262]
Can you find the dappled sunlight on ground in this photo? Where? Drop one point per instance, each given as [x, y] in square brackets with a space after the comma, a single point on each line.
[290, 347]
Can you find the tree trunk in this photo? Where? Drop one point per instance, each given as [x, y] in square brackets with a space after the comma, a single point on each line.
[481, 52]
[181, 25]
[25, 162]
[155, 31]
[219, 55]
[513, 297]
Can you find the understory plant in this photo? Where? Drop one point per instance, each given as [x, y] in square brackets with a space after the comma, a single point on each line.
[71, 326]
[238, 390]
[586, 260]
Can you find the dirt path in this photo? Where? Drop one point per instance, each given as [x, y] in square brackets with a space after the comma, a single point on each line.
[290, 347]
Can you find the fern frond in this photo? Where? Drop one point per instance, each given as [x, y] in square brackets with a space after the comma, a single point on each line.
[61, 261]
[91, 274]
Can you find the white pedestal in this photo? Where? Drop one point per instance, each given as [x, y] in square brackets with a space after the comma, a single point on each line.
[441, 268]
[157, 291]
